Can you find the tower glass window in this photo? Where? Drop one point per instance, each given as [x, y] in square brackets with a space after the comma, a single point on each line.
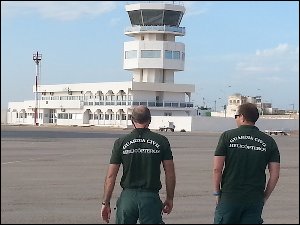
[168, 54]
[176, 55]
[150, 54]
[131, 54]
[135, 17]
[152, 17]
[172, 18]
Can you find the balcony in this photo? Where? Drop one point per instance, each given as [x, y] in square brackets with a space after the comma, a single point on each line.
[145, 103]
[155, 29]
[164, 104]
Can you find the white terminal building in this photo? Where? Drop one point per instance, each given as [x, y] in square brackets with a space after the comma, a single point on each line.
[153, 56]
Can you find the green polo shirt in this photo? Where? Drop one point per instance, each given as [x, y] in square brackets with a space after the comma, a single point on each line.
[141, 153]
[247, 153]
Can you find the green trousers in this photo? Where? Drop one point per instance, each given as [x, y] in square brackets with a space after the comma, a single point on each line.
[138, 204]
[238, 213]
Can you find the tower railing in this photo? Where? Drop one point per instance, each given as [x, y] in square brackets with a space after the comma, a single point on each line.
[171, 104]
[180, 30]
[165, 2]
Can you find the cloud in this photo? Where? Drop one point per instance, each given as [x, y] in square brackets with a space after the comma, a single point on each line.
[58, 10]
[281, 60]
[194, 8]
[281, 49]
[114, 21]
[256, 68]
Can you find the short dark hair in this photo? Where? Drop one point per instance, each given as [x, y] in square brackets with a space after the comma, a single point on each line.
[141, 114]
[249, 111]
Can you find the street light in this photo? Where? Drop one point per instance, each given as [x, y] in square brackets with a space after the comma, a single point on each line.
[261, 103]
[37, 58]
[293, 106]
[216, 104]
[226, 99]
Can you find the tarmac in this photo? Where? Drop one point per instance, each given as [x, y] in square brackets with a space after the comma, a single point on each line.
[55, 175]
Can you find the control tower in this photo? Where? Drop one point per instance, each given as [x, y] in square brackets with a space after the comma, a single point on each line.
[154, 56]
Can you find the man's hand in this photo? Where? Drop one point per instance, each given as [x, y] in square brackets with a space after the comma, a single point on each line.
[105, 213]
[168, 206]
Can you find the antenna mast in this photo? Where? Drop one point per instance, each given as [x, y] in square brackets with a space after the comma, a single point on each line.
[37, 58]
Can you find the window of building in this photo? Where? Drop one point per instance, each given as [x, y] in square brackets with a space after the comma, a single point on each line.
[168, 54]
[135, 17]
[152, 17]
[101, 116]
[172, 18]
[131, 54]
[150, 54]
[176, 55]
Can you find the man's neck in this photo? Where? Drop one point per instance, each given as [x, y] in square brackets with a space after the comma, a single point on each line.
[140, 125]
[248, 123]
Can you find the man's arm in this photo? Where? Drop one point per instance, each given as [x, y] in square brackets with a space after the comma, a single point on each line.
[109, 185]
[274, 169]
[217, 175]
[170, 179]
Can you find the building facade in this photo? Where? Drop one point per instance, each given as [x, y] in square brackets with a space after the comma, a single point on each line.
[235, 100]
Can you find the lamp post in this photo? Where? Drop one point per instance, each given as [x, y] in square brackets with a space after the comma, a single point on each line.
[226, 99]
[36, 58]
[293, 106]
[215, 105]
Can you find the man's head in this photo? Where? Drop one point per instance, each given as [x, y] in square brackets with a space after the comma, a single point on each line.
[141, 115]
[247, 114]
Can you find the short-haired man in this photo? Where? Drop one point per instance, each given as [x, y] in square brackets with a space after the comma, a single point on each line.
[141, 153]
[239, 178]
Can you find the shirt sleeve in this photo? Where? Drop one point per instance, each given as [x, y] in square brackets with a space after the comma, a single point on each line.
[167, 152]
[116, 155]
[275, 156]
[221, 149]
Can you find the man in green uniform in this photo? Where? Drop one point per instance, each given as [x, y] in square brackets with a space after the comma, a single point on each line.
[239, 178]
[141, 153]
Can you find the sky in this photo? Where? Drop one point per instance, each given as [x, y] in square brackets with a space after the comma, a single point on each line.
[247, 47]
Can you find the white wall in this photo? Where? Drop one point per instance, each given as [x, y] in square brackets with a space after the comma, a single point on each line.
[182, 122]
[220, 124]
[143, 96]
